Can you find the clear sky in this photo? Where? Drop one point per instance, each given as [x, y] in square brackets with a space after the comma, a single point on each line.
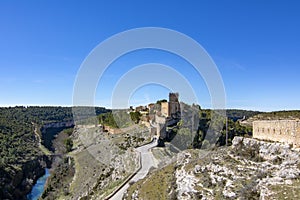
[255, 44]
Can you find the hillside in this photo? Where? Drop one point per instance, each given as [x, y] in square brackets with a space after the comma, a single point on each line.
[236, 114]
[276, 115]
[285, 114]
[21, 159]
[249, 169]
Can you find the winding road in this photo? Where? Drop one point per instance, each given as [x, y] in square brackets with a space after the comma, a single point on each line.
[147, 162]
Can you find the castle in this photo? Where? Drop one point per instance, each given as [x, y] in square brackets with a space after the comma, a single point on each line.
[286, 131]
[171, 108]
[169, 115]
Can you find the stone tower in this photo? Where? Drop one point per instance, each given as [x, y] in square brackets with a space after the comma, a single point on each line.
[174, 106]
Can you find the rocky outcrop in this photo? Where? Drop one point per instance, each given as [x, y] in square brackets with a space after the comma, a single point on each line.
[50, 130]
[102, 160]
[249, 169]
[280, 162]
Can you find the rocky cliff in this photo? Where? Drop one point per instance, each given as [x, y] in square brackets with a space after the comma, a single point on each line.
[249, 169]
[18, 181]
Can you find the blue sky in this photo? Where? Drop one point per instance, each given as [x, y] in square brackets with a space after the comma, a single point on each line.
[255, 44]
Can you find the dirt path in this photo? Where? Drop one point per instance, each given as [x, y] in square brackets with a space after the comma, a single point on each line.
[41, 146]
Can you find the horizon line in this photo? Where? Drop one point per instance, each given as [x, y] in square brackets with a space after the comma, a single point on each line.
[99, 106]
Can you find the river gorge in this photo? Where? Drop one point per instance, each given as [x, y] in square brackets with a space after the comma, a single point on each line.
[38, 188]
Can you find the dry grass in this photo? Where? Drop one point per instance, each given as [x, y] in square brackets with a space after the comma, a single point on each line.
[158, 185]
[285, 191]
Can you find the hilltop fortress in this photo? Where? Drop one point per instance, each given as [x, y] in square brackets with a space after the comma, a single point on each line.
[286, 131]
[171, 109]
[169, 114]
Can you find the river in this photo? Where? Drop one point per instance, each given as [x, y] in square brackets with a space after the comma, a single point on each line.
[38, 188]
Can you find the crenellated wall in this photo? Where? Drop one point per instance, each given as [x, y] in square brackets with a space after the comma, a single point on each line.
[287, 131]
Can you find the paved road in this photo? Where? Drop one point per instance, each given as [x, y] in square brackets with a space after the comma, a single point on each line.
[147, 163]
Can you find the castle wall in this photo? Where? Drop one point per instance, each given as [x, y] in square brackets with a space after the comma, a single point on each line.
[287, 131]
[174, 106]
[161, 130]
[160, 119]
[165, 109]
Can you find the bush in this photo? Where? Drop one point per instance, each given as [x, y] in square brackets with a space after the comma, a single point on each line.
[68, 144]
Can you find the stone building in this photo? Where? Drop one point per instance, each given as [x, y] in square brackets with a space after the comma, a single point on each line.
[164, 109]
[174, 105]
[171, 108]
[286, 131]
[151, 107]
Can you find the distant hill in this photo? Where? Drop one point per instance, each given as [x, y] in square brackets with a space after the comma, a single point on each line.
[284, 114]
[236, 114]
[275, 115]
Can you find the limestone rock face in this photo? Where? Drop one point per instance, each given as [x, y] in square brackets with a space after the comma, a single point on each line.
[248, 169]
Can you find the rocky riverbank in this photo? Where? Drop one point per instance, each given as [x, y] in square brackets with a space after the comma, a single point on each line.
[18, 181]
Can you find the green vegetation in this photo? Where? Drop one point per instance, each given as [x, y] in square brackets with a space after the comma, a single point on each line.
[290, 114]
[135, 116]
[205, 125]
[19, 144]
[235, 114]
[48, 135]
[196, 129]
[68, 131]
[58, 182]
[119, 118]
[108, 119]
[160, 101]
[68, 144]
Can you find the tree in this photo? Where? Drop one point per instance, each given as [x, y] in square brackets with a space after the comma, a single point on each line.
[135, 116]
[160, 101]
[68, 144]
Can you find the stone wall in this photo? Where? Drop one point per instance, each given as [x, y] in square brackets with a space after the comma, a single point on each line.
[171, 108]
[161, 130]
[174, 105]
[165, 109]
[160, 119]
[287, 131]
